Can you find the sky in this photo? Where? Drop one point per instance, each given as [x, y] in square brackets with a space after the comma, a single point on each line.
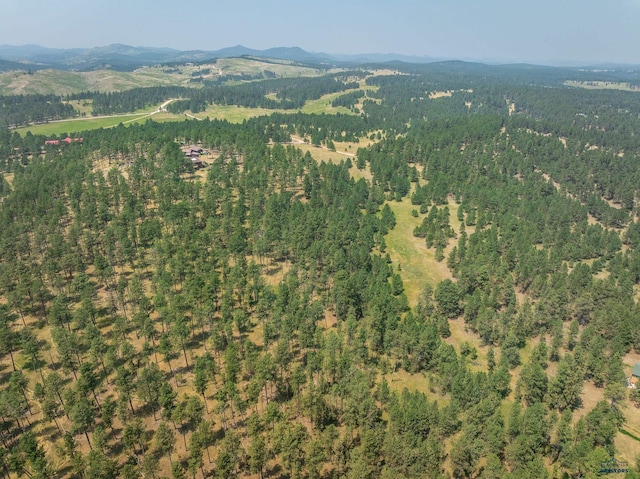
[542, 31]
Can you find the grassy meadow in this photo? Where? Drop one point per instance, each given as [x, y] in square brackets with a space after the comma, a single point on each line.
[410, 255]
[231, 113]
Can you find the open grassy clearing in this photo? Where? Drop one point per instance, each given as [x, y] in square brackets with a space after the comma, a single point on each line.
[75, 125]
[460, 333]
[231, 113]
[410, 255]
[343, 151]
[602, 85]
[160, 117]
[323, 104]
[83, 107]
[237, 114]
[9, 178]
[234, 113]
[320, 153]
[95, 122]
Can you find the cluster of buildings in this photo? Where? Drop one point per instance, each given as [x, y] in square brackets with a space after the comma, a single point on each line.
[193, 152]
[66, 140]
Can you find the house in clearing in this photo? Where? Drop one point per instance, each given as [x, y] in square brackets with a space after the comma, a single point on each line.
[192, 151]
[198, 163]
[633, 380]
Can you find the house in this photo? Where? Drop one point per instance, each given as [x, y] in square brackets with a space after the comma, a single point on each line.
[52, 142]
[632, 382]
[192, 151]
[198, 164]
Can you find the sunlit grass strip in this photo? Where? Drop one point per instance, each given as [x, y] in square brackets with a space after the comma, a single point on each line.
[631, 435]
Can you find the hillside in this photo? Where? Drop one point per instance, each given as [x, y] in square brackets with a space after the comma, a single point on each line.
[120, 57]
[431, 271]
[63, 82]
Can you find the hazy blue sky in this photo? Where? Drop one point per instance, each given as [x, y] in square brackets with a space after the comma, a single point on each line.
[541, 31]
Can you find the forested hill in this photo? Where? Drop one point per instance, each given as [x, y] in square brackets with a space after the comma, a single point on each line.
[251, 319]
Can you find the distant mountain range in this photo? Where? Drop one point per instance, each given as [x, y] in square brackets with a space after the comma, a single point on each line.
[126, 58]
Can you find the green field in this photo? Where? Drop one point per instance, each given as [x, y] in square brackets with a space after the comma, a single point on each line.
[60, 127]
[323, 105]
[231, 113]
[237, 114]
[410, 254]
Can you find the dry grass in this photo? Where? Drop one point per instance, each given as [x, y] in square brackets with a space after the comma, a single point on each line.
[9, 178]
[249, 66]
[460, 333]
[62, 82]
[76, 125]
[440, 94]
[416, 382]
[602, 85]
[323, 104]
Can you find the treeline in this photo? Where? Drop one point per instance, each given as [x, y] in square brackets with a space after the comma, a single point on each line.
[222, 79]
[348, 100]
[22, 110]
[321, 128]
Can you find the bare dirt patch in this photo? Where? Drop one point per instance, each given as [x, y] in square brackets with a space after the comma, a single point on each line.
[440, 94]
